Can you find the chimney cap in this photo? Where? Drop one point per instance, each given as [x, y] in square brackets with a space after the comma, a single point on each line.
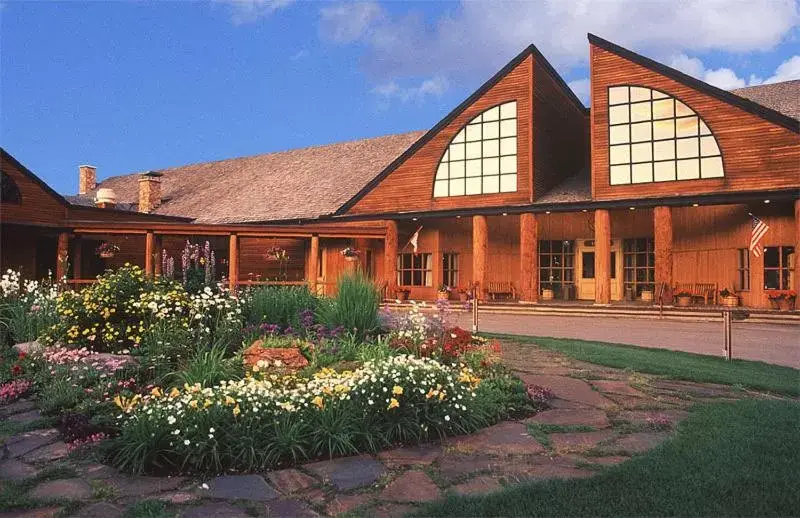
[152, 174]
[88, 165]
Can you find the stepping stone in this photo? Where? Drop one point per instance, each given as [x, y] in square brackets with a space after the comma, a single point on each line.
[97, 471]
[348, 472]
[219, 510]
[63, 489]
[644, 416]
[477, 486]
[178, 497]
[290, 480]
[100, 510]
[570, 389]
[15, 470]
[411, 486]
[42, 512]
[141, 486]
[315, 496]
[544, 471]
[617, 387]
[572, 417]
[241, 487]
[49, 453]
[21, 444]
[579, 440]
[25, 417]
[564, 404]
[17, 407]
[423, 455]
[506, 438]
[288, 508]
[639, 442]
[453, 467]
[346, 503]
[610, 460]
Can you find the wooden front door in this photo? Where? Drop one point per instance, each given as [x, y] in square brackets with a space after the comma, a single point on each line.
[585, 256]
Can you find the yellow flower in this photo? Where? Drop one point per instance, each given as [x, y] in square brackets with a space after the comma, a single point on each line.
[156, 392]
[256, 368]
[174, 392]
[393, 403]
[229, 401]
[206, 403]
[193, 403]
[397, 390]
[236, 410]
[318, 401]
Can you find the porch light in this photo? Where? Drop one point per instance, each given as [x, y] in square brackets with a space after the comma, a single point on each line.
[547, 212]
[766, 201]
[585, 210]
[414, 219]
[631, 208]
[458, 217]
[505, 214]
[695, 204]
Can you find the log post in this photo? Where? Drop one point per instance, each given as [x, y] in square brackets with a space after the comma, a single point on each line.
[149, 248]
[602, 256]
[157, 255]
[62, 256]
[480, 251]
[76, 258]
[390, 258]
[313, 263]
[529, 257]
[662, 234]
[797, 250]
[233, 263]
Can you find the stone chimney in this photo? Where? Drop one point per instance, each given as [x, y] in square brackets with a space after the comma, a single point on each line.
[87, 178]
[149, 191]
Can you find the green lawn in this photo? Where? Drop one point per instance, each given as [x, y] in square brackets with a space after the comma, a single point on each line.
[675, 364]
[728, 459]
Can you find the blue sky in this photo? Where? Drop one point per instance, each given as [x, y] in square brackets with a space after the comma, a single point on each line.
[131, 86]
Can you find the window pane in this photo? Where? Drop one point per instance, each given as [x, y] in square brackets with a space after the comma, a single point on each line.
[708, 146]
[711, 167]
[663, 109]
[492, 114]
[686, 127]
[664, 129]
[688, 148]
[620, 134]
[642, 152]
[620, 174]
[620, 154]
[508, 110]
[618, 95]
[508, 164]
[639, 94]
[491, 148]
[704, 129]
[618, 114]
[440, 188]
[491, 129]
[688, 169]
[642, 173]
[664, 150]
[457, 187]
[508, 128]
[459, 136]
[473, 149]
[456, 152]
[491, 166]
[641, 132]
[441, 171]
[473, 185]
[659, 95]
[664, 171]
[491, 184]
[508, 183]
[457, 169]
[587, 261]
[681, 109]
[473, 168]
[473, 132]
[508, 146]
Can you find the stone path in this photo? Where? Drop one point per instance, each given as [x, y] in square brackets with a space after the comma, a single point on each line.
[600, 417]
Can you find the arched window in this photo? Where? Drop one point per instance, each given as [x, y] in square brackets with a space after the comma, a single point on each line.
[654, 137]
[9, 192]
[482, 157]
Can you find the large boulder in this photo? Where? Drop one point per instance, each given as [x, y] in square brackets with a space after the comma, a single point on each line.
[284, 359]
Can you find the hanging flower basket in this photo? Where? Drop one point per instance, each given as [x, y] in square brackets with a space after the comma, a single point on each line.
[350, 254]
[106, 250]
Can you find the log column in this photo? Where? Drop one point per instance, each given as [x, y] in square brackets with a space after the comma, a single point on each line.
[157, 255]
[390, 258]
[480, 251]
[797, 249]
[233, 263]
[602, 256]
[149, 249]
[76, 258]
[313, 263]
[62, 256]
[662, 234]
[529, 257]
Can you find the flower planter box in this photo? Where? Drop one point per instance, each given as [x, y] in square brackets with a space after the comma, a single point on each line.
[683, 301]
[351, 258]
[731, 301]
[442, 295]
[106, 255]
[402, 294]
[547, 294]
[647, 296]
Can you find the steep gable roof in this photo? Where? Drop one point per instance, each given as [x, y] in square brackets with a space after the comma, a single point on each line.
[297, 184]
[747, 105]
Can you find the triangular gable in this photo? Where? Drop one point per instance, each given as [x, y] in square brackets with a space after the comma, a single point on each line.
[407, 183]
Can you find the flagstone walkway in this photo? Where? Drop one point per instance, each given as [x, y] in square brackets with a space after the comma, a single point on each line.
[600, 417]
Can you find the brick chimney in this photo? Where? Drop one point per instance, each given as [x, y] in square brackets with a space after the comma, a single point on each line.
[87, 178]
[149, 191]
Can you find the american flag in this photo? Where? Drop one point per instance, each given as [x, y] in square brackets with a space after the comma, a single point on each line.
[759, 229]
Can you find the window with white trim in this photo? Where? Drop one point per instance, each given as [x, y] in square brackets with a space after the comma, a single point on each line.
[482, 157]
[654, 137]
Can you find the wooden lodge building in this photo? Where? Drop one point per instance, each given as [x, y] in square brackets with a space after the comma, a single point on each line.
[519, 189]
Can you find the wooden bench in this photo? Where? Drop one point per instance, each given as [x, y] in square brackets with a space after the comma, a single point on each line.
[701, 290]
[501, 288]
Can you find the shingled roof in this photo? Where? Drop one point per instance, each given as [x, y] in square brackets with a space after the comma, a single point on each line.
[288, 185]
[782, 97]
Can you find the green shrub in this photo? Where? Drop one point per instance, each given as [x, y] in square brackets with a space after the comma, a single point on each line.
[208, 366]
[355, 307]
[279, 305]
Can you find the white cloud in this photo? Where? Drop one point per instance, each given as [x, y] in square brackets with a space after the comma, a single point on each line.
[434, 86]
[582, 88]
[727, 79]
[478, 37]
[248, 11]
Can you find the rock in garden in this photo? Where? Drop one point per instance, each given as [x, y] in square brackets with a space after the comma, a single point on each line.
[477, 486]
[25, 417]
[570, 417]
[289, 508]
[220, 510]
[422, 455]
[63, 489]
[411, 486]
[100, 510]
[23, 443]
[349, 472]
[17, 407]
[241, 487]
[579, 440]
[138, 486]
[29, 347]
[278, 358]
[346, 503]
[15, 470]
[501, 439]
[290, 480]
[51, 452]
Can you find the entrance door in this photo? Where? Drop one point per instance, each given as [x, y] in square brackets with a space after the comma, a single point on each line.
[586, 255]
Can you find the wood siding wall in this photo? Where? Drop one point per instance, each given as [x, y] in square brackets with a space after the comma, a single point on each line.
[38, 206]
[410, 186]
[560, 131]
[757, 154]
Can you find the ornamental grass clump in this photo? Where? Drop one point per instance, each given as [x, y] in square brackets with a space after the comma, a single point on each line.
[256, 424]
[355, 307]
[278, 305]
